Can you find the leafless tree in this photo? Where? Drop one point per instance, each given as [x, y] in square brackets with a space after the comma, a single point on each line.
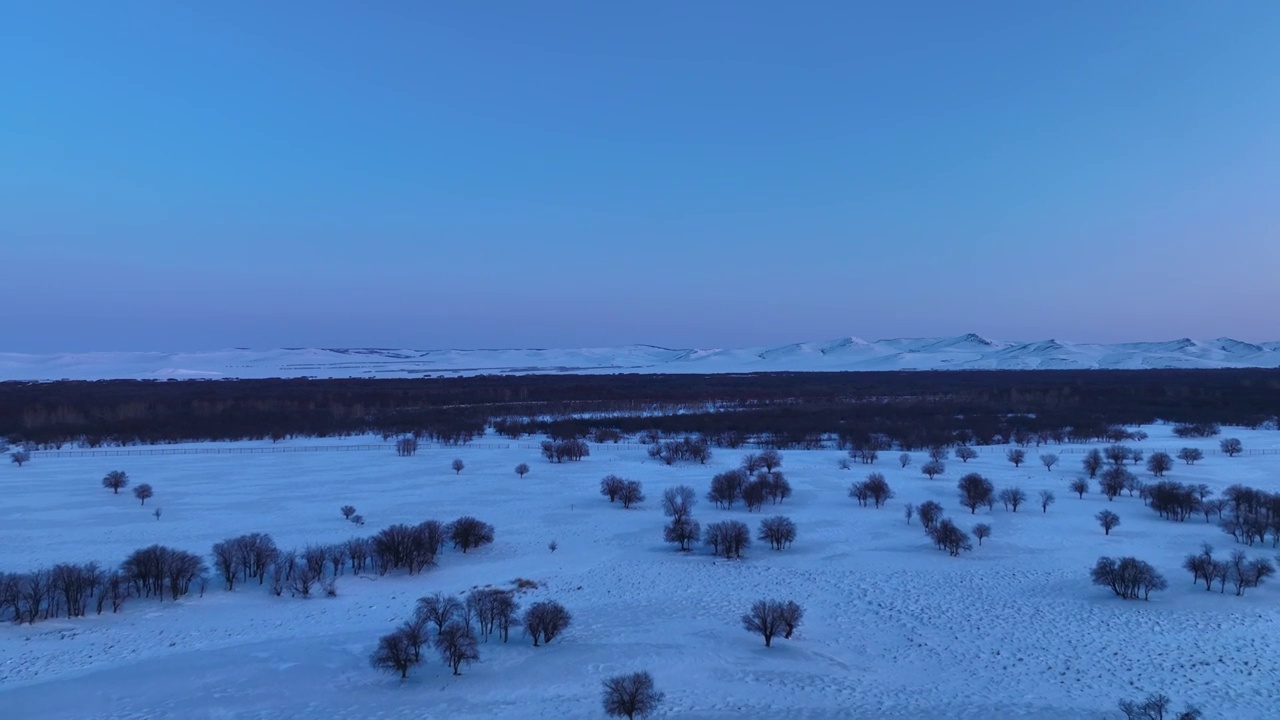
[394, 654]
[522, 469]
[611, 486]
[904, 459]
[115, 481]
[1107, 520]
[143, 492]
[766, 618]
[438, 609]
[631, 696]
[348, 511]
[779, 531]
[933, 468]
[1012, 498]
[1046, 499]
[415, 633]
[467, 532]
[981, 531]
[1155, 707]
[1080, 486]
[1127, 577]
[1093, 462]
[457, 645]
[20, 457]
[727, 538]
[843, 463]
[546, 620]
[909, 510]
[938, 453]
[1017, 456]
[457, 466]
[684, 531]
[1049, 460]
[1114, 480]
[631, 493]
[771, 459]
[929, 513]
[1159, 463]
[726, 487]
[1231, 447]
[358, 550]
[407, 446]
[966, 453]
[974, 490]
[1190, 455]
[947, 536]
[678, 502]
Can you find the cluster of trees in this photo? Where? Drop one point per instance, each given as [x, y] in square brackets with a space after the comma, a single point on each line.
[1128, 577]
[1197, 429]
[678, 503]
[1157, 706]
[562, 450]
[767, 618]
[65, 589]
[875, 489]
[1249, 514]
[117, 480]
[628, 492]
[944, 533]
[769, 483]
[1239, 569]
[728, 538]
[686, 449]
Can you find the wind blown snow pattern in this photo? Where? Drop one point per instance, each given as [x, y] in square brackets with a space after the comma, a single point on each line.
[965, 352]
[894, 629]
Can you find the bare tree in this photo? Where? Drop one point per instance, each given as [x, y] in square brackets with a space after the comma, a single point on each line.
[347, 511]
[981, 531]
[843, 463]
[1017, 456]
[904, 459]
[20, 457]
[143, 492]
[879, 489]
[684, 531]
[947, 536]
[938, 453]
[457, 645]
[909, 510]
[522, 469]
[467, 532]
[974, 490]
[407, 446]
[1231, 447]
[1107, 520]
[779, 531]
[1128, 577]
[630, 494]
[394, 654]
[1154, 707]
[1012, 498]
[1093, 462]
[933, 468]
[546, 620]
[727, 539]
[966, 453]
[1080, 486]
[438, 609]
[115, 481]
[1114, 480]
[611, 486]
[415, 633]
[929, 512]
[769, 617]
[1189, 455]
[631, 696]
[1046, 499]
[771, 459]
[678, 502]
[727, 487]
[751, 464]
[457, 465]
[1049, 460]
[1159, 463]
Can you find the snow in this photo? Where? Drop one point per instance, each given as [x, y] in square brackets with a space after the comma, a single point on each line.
[893, 628]
[846, 354]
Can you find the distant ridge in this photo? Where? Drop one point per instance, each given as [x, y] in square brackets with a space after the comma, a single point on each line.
[963, 352]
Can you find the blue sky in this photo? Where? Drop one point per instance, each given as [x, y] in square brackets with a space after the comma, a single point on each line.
[675, 173]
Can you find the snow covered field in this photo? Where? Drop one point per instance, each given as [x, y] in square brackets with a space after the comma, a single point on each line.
[893, 628]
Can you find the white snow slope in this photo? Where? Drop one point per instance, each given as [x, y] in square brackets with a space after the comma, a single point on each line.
[893, 627]
[966, 352]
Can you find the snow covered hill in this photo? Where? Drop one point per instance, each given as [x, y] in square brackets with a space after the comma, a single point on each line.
[964, 352]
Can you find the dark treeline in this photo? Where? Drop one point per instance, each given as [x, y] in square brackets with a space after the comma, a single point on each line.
[919, 408]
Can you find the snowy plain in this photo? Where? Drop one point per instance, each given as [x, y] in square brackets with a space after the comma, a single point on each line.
[962, 352]
[893, 628]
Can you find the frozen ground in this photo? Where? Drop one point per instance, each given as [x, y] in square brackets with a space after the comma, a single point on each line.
[893, 627]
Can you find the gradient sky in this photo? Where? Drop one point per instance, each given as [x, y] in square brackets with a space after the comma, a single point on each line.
[561, 174]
